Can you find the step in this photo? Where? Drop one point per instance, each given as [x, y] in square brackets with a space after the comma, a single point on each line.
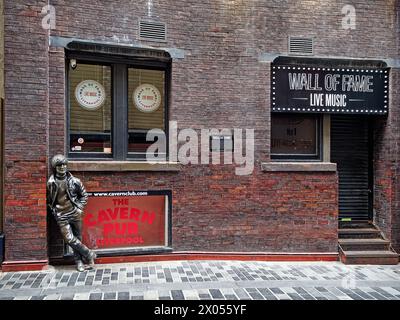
[364, 244]
[355, 224]
[369, 257]
[364, 233]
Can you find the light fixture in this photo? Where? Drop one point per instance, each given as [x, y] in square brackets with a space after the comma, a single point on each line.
[73, 63]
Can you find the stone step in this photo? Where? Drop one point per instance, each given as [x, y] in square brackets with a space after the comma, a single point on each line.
[364, 233]
[364, 244]
[369, 257]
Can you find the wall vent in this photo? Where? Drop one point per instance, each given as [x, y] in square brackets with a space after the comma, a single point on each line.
[301, 46]
[152, 31]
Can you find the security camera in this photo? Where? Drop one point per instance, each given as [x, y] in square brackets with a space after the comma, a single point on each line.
[73, 63]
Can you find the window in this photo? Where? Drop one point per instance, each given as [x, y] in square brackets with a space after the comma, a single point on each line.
[295, 137]
[90, 108]
[147, 86]
[112, 106]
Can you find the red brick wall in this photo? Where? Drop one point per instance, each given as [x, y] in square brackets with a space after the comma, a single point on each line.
[219, 83]
[26, 131]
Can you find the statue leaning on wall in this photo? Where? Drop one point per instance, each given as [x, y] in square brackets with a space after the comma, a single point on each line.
[66, 199]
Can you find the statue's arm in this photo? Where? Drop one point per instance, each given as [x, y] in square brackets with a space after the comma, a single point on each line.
[49, 197]
[82, 195]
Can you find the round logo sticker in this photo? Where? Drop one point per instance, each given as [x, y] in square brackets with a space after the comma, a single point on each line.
[147, 98]
[90, 94]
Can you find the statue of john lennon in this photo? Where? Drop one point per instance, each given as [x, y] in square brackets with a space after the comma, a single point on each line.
[66, 198]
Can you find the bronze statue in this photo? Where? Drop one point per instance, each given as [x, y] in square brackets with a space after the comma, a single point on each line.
[66, 199]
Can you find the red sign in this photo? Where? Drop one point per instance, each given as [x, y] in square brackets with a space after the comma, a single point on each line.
[120, 222]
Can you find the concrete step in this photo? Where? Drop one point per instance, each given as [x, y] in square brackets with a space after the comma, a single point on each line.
[364, 244]
[355, 233]
[369, 257]
[355, 224]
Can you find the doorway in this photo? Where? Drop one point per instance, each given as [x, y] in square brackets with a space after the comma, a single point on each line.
[351, 150]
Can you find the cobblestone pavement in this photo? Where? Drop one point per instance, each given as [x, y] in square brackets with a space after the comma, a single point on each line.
[206, 280]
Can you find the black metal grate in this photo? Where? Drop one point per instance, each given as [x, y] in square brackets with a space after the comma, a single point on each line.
[152, 31]
[349, 149]
[301, 46]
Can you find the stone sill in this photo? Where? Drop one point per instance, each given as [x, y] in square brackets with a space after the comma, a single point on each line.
[122, 166]
[298, 166]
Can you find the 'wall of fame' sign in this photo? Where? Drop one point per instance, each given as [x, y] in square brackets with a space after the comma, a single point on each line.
[329, 90]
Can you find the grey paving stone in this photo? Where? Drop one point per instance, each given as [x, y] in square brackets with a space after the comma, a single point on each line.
[276, 290]
[216, 294]
[177, 295]
[382, 292]
[96, 296]
[123, 295]
[67, 296]
[267, 294]
[241, 294]
[294, 296]
[363, 294]
[351, 294]
[377, 295]
[17, 286]
[89, 281]
[110, 295]
[246, 280]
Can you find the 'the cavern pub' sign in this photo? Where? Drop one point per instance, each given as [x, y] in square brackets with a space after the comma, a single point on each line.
[127, 219]
[329, 90]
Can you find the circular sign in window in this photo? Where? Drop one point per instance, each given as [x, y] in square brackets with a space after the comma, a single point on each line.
[90, 94]
[147, 98]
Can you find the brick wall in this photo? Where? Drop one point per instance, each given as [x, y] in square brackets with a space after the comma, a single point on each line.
[215, 85]
[26, 131]
[219, 83]
[386, 163]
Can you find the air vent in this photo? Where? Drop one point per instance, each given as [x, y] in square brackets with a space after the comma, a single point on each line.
[301, 46]
[152, 31]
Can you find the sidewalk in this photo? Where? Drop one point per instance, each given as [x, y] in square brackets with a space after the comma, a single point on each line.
[206, 280]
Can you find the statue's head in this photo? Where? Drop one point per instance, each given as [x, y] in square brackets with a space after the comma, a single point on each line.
[59, 164]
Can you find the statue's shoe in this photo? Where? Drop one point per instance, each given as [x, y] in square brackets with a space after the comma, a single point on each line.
[80, 267]
[91, 257]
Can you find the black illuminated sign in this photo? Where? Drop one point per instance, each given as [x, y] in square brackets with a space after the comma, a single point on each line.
[329, 90]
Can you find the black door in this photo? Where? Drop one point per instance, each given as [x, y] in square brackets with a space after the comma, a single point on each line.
[350, 149]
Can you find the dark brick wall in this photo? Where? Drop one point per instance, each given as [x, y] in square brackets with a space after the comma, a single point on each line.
[386, 168]
[26, 131]
[219, 83]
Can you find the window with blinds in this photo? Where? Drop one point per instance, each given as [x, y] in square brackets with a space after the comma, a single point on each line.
[113, 106]
[90, 108]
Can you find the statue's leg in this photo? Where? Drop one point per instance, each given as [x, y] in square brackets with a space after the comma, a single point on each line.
[75, 243]
[76, 227]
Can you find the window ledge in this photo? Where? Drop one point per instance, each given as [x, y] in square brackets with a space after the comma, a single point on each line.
[122, 166]
[298, 166]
